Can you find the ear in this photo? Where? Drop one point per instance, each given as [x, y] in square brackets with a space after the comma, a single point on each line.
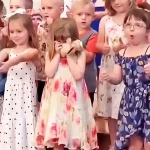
[29, 11]
[61, 10]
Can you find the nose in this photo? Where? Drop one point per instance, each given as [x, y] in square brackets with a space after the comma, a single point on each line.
[12, 10]
[117, 2]
[83, 16]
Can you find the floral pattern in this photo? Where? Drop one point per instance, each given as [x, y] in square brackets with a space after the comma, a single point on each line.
[134, 116]
[109, 96]
[65, 115]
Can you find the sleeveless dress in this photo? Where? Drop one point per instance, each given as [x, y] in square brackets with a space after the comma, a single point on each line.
[65, 115]
[109, 96]
[19, 107]
[134, 113]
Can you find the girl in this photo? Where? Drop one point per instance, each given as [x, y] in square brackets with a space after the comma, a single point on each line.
[65, 118]
[109, 42]
[133, 66]
[19, 107]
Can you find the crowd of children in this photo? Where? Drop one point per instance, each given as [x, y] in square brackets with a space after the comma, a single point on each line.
[48, 75]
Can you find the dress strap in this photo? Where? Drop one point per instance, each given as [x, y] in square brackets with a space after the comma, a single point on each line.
[124, 51]
[147, 49]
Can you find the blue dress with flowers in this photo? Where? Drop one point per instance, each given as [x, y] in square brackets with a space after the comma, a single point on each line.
[134, 113]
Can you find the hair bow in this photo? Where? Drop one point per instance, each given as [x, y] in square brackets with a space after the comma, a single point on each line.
[18, 11]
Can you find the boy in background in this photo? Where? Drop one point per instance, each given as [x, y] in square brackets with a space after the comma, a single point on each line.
[83, 12]
[51, 10]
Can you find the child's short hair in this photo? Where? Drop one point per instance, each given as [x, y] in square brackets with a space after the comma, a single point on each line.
[28, 4]
[139, 14]
[77, 3]
[111, 11]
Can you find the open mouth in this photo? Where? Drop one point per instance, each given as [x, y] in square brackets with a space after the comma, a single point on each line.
[132, 36]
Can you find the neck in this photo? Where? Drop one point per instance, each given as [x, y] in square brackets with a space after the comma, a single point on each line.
[22, 47]
[81, 30]
[121, 14]
[141, 45]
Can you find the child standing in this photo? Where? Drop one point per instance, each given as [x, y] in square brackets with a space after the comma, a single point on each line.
[26, 4]
[65, 118]
[19, 107]
[83, 12]
[50, 15]
[133, 67]
[109, 42]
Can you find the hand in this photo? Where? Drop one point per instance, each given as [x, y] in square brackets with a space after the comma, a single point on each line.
[4, 66]
[77, 45]
[58, 46]
[105, 49]
[147, 69]
[104, 76]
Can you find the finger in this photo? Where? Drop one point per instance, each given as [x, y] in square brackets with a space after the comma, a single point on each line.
[69, 41]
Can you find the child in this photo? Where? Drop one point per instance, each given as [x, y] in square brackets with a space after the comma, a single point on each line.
[83, 13]
[19, 108]
[65, 118]
[36, 15]
[111, 40]
[133, 67]
[48, 14]
[26, 4]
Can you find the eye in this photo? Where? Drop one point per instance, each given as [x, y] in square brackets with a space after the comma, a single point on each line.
[79, 14]
[49, 7]
[43, 8]
[10, 7]
[11, 31]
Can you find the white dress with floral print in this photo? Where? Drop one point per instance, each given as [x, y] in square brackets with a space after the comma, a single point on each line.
[109, 96]
[65, 115]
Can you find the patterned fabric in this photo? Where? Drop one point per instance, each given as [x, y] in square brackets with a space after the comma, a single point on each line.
[65, 115]
[109, 96]
[134, 114]
[40, 75]
[19, 107]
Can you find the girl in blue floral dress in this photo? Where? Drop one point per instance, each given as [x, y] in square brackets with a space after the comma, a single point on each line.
[133, 67]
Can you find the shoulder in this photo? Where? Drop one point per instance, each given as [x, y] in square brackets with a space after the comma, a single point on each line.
[7, 50]
[148, 50]
[121, 52]
[105, 18]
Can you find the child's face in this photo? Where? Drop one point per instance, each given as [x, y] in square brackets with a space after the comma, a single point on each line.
[120, 6]
[18, 33]
[15, 4]
[135, 31]
[83, 16]
[36, 18]
[51, 9]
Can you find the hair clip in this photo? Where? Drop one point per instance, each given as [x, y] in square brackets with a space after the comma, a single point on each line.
[18, 11]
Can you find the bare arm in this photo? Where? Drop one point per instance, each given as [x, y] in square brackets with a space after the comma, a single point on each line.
[29, 55]
[116, 75]
[4, 54]
[77, 67]
[102, 44]
[89, 56]
[51, 66]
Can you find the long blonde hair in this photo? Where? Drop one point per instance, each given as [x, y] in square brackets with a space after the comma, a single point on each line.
[60, 30]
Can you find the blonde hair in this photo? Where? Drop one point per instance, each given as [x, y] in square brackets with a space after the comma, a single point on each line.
[82, 3]
[112, 12]
[61, 30]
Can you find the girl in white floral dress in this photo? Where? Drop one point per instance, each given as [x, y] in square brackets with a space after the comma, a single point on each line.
[110, 41]
[65, 118]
